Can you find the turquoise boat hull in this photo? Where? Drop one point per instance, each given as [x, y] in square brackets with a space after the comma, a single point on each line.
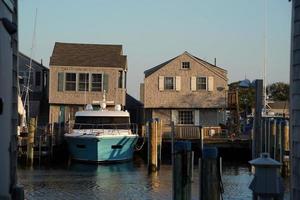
[102, 149]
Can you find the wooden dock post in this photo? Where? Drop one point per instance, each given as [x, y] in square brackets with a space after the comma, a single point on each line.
[30, 140]
[182, 170]
[272, 137]
[159, 141]
[278, 140]
[274, 144]
[257, 136]
[154, 145]
[209, 175]
[285, 148]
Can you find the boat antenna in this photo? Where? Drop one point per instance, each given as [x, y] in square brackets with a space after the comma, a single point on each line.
[265, 59]
[27, 87]
[103, 102]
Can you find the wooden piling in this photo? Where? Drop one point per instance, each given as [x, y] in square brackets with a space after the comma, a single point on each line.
[159, 142]
[182, 171]
[30, 140]
[285, 148]
[278, 141]
[257, 142]
[152, 147]
[210, 180]
[274, 139]
[40, 149]
[200, 177]
[286, 136]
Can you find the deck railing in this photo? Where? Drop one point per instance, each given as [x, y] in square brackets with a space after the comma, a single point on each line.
[191, 132]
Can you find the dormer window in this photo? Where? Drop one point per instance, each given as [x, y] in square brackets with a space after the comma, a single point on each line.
[185, 65]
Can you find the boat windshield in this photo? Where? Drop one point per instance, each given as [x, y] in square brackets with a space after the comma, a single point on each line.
[101, 122]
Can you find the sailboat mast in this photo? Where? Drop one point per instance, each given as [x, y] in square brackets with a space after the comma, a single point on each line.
[26, 99]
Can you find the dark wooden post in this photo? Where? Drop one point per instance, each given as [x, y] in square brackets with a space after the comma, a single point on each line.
[257, 143]
[182, 170]
[285, 148]
[210, 175]
[274, 138]
[152, 147]
[30, 140]
[278, 139]
[159, 142]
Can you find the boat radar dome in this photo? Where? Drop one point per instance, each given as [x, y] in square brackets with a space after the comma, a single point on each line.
[89, 107]
[118, 107]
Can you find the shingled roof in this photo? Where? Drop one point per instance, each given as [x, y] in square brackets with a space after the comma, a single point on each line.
[91, 55]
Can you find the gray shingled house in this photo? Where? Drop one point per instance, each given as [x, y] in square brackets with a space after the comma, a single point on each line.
[38, 87]
[187, 90]
[79, 74]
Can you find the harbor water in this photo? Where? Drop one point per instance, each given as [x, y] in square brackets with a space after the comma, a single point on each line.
[123, 181]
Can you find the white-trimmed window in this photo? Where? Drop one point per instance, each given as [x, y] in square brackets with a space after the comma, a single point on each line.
[185, 65]
[185, 117]
[70, 82]
[96, 82]
[83, 84]
[201, 83]
[169, 83]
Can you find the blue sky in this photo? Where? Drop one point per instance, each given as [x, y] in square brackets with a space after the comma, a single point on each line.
[152, 32]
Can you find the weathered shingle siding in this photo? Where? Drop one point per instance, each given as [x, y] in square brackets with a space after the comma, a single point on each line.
[185, 98]
[81, 97]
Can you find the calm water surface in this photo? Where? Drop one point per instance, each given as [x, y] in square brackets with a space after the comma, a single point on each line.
[121, 181]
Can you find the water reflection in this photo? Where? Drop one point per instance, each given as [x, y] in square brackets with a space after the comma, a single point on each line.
[121, 181]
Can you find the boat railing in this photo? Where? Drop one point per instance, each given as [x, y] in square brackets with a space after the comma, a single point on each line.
[101, 127]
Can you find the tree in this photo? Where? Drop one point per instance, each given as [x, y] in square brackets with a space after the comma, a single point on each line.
[278, 91]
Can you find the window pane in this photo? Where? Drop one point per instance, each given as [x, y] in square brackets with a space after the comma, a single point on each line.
[96, 82]
[185, 65]
[70, 81]
[70, 86]
[169, 83]
[185, 117]
[70, 77]
[201, 83]
[83, 82]
[96, 77]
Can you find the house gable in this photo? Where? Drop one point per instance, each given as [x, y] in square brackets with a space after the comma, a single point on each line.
[222, 73]
[183, 94]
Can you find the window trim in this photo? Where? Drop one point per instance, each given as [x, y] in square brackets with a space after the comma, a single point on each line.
[179, 121]
[206, 83]
[102, 79]
[185, 68]
[65, 81]
[88, 83]
[174, 83]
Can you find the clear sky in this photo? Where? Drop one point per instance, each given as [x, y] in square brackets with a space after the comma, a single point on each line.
[153, 31]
